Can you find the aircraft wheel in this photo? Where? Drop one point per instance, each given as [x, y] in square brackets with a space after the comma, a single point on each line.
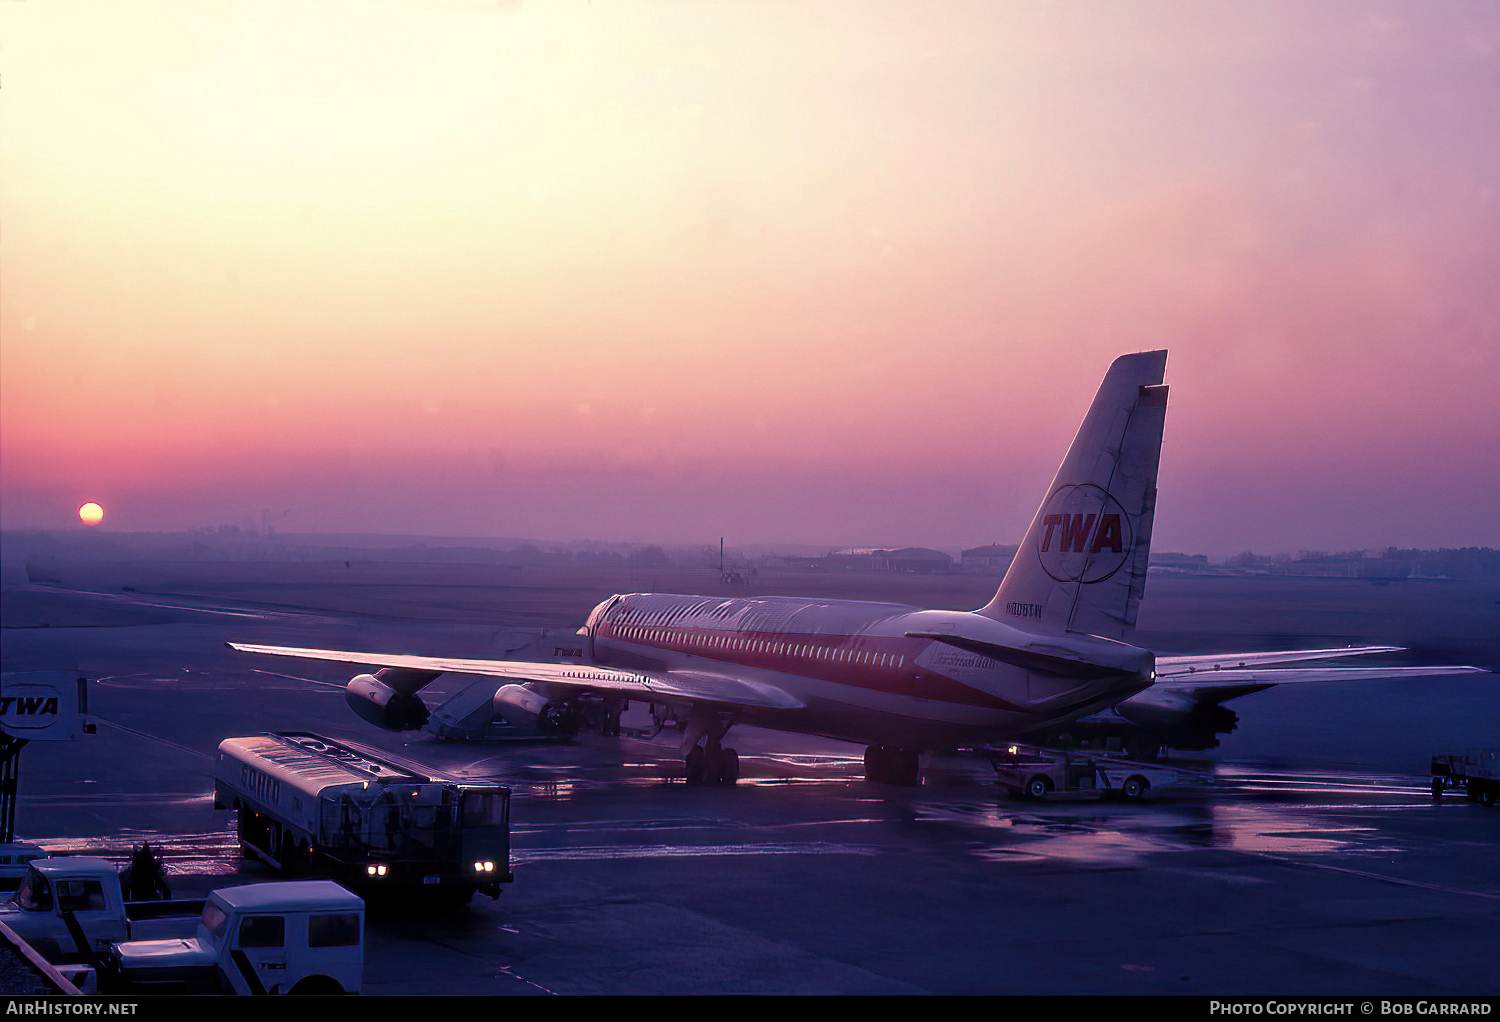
[1487, 796]
[906, 768]
[1437, 787]
[697, 772]
[728, 771]
[885, 764]
[1037, 787]
[1135, 787]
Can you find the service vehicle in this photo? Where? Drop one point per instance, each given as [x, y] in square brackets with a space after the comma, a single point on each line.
[289, 937]
[1038, 773]
[1477, 773]
[72, 907]
[310, 805]
[15, 856]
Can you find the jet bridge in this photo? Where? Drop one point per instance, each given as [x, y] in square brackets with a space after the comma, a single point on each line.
[35, 706]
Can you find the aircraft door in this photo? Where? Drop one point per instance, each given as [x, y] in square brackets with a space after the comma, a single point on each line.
[84, 899]
[258, 955]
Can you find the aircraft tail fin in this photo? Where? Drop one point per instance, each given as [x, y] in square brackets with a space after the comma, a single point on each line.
[1082, 565]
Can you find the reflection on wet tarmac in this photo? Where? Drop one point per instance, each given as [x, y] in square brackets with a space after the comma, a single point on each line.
[1236, 815]
[210, 853]
[641, 851]
[652, 824]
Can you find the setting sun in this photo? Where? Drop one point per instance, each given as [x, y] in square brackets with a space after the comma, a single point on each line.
[91, 514]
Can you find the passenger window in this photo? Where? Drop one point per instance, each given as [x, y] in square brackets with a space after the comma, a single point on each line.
[263, 931]
[340, 930]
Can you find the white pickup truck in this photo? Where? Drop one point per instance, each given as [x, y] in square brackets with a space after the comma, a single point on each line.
[15, 856]
[71, 908]
[294, 937]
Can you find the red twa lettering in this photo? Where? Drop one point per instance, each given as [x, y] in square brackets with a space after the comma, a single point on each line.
[1108, 535]
[1051, 523]
[1075, 532]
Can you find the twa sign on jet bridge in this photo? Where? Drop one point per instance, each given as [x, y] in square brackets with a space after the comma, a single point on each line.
[43, 706]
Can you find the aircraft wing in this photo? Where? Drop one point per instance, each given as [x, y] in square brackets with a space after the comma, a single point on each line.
[1173, 665]
[651, 686]
[1216, 676]
[1184, 707]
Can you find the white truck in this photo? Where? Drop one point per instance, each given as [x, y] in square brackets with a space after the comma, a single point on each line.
[15, 856]
[310, 805]
[72, 907]
[1038, 773]
[291, 937]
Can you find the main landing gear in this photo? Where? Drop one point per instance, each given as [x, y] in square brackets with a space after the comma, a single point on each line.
[708, 762]
[888, 764]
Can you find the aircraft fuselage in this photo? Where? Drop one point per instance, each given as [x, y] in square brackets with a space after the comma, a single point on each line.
[870, 672]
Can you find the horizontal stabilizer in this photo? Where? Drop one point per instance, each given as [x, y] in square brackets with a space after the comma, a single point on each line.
[1027, 660]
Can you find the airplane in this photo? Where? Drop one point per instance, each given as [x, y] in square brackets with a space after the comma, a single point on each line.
[1049, 651]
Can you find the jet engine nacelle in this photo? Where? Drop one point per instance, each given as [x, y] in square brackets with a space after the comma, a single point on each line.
[383, 706]
[524, 707]
[1180, 721]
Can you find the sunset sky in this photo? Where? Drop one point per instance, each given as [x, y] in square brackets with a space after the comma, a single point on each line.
[814, 272]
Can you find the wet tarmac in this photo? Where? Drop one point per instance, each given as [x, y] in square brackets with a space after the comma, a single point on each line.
[1309, 858]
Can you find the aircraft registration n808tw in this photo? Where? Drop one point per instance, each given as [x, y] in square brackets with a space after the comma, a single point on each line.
[1050, 648]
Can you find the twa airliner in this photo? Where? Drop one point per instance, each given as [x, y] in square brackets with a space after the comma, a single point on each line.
[1050, 648]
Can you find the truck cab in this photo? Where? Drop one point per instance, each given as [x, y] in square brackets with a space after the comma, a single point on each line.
[73, 907]
[292, 937]
[15, 856]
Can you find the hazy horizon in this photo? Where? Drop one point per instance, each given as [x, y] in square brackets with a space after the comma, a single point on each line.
[845, 272]
[442, 541]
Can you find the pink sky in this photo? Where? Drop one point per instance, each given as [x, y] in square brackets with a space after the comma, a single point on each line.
[841, 273]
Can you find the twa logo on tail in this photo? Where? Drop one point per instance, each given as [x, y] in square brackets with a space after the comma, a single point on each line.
[1085, 534]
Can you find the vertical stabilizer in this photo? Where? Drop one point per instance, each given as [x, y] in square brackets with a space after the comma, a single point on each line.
[1082, 565]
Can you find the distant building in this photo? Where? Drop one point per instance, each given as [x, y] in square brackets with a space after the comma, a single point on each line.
[1354, 564]
[911, 558]
[1180, 562]
[995, 557]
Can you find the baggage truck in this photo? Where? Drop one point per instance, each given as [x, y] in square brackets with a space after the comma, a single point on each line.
[1038, 773]
[314, 806]
[1477, 773]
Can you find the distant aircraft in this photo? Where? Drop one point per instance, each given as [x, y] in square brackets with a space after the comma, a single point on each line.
[1049, 650]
